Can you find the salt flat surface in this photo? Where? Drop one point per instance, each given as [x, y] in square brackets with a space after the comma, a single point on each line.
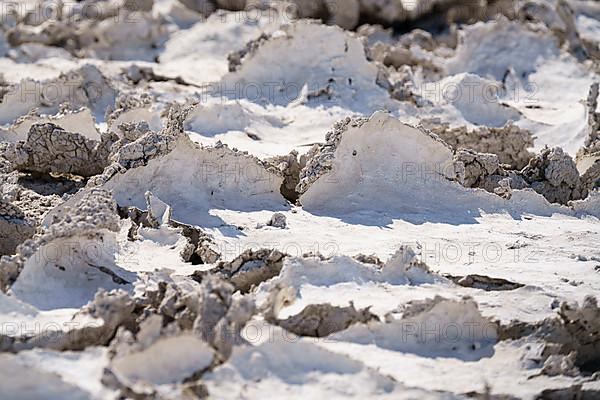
[214, 199]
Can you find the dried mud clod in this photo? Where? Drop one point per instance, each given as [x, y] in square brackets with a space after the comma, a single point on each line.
[588, 157]
[290, 166]
[114, 308]
[572, 339]
[583, 324]
[277, 220]
[221, 317]
[483, 170]
[95, 211]
[369, 259]
[509, 143]
[248, 269]
[132, 131]
[159, 357]
[554, 175]
[477, 169]
[140, 144]
[193, 327]
[592, 141]
[201, 247]
[320, 320]
[128, 154]
[175, 302]
[108, 310]
[551, 173]
[147, 147]
[15, 228]
[484, 282]
[208, 309]
[50, 149]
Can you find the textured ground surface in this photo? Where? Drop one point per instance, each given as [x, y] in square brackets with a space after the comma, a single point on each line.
[315, 199]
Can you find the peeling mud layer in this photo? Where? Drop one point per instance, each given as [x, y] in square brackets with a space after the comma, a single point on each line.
[299, 199]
